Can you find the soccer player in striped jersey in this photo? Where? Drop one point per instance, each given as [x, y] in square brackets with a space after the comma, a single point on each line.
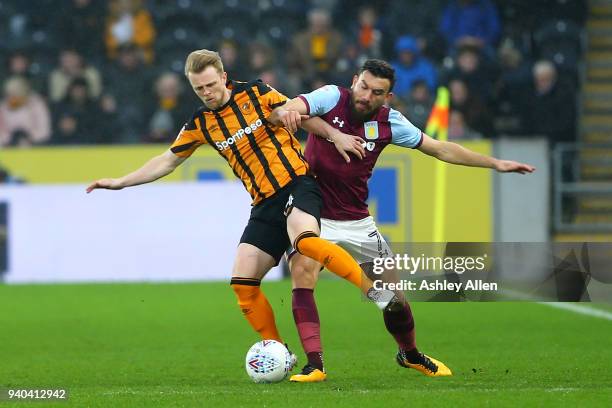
[362, 111]
[268, 161]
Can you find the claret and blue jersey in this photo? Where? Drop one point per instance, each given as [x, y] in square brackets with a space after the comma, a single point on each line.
[345, 185]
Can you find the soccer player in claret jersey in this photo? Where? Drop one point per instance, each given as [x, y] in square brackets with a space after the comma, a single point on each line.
[268, 161]
[362, 111]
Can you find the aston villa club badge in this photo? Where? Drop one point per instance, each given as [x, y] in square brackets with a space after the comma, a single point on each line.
[371, 130]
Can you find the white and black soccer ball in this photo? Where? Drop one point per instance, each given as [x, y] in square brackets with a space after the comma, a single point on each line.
[268, 361]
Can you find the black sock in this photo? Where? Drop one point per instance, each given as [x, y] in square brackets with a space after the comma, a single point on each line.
[413, 356]
[315, 359]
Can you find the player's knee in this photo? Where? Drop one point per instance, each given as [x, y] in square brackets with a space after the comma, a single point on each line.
[302, 278]
[246, 289]
[304, 273]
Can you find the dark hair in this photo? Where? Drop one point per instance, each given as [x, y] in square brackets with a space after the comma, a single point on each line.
[78, 81]
[380, 69]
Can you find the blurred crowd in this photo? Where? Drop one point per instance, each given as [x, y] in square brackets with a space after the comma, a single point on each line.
[100, 72]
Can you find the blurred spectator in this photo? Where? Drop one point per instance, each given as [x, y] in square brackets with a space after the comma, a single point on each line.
[419, 104]
[261, 58]
[132, 110]
[24, 115]
[350, 61]
[129, 81]
[82, 27]
[411, 66]
[324, 4]
[71, 66]
[108, 126]
[271, 78]
[475, 112]
[575, 10]
[232, 61]
[399, 105]
[262, 65]
[469, 67]
[369, 33]
[418, 21]
[19, 64]
[129, 23]
[170, 110]
[458, 129]
[315, 51]
[512, 84]
[317, 83]
[550, 107]
[76, 116]
[470, 23]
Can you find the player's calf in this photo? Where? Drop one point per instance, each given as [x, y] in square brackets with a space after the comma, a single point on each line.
[255, 307]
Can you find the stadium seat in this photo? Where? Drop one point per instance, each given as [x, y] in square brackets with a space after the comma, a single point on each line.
[183, 30]
[44, 60]
[560, 41]
[235, 16]
[563, 34]
[278, 29]
[244, 7]
[162, 9]
[283, 9]
[185, 18]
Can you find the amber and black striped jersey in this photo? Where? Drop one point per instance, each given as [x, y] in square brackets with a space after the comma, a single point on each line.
[264, 157]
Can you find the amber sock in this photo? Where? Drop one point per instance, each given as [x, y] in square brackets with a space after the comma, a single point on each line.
[255, 307]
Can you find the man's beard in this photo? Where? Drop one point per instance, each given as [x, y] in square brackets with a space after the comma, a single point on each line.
[363, 115]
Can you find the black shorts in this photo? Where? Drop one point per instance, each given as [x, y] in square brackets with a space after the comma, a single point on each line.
[267, 227]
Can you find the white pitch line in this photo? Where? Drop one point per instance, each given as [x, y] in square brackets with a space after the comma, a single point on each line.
[602, 314]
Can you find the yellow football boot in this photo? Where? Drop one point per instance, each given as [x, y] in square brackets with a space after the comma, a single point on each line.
[309, 374]
[427, 365]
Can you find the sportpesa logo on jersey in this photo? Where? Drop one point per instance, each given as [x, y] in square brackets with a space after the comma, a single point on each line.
[239, 135]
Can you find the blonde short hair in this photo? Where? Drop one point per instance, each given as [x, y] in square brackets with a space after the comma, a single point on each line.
[17, 86]
[199, 60]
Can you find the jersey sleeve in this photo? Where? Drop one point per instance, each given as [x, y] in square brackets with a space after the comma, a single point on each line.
[269, 96]
[322, 100]
[188, 140]
[403, 132]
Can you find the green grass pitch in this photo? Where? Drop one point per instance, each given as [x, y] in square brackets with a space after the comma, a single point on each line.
[137, 345]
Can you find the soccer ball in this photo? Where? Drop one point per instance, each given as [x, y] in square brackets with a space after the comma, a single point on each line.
[268, 361]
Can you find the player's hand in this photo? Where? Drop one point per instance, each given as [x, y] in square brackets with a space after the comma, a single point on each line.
[292, 120]
[348, 144]
[509, 166]
[107, 183]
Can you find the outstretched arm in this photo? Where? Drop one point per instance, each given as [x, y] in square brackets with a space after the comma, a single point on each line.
[456, 154]
[290, 115]
[293, 115]
[157, 167]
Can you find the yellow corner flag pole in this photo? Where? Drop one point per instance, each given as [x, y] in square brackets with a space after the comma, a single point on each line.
[437, 127]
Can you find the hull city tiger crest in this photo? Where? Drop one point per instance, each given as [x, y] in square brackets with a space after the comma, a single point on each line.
[246, 108]
[371, 130]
